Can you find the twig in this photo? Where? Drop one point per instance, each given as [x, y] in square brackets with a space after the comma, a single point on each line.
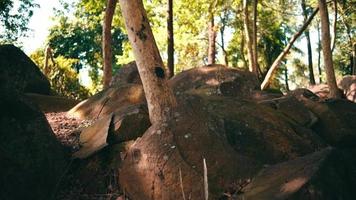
[181, 183]
[206, 187]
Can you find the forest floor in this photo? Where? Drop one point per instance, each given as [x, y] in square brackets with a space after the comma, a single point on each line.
[70, 187]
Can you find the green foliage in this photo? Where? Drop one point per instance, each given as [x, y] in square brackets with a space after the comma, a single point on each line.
[64, 80]
[14, 17]
[81, 38]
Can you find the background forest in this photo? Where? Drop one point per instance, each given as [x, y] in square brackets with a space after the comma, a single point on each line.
[240, 33]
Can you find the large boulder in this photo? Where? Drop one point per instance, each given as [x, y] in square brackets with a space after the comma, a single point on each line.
[32, 160]
[18, 70]
[327, 174]
[235, 137]
[49, 103]
[227, 81]
[336, 122]
[126, 74]
[109, 101]
[348, 85]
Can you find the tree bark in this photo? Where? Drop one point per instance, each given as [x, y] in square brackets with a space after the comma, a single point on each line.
[328, 62]
[353, 63]
[286, 78]
[319, 55]
[248, 38]
[212, 39]
[285, 51]
[310, 56]
[254, 38]
[170, 39]
[222, 38]
[106, 43]
[334, 27]
[160, 98]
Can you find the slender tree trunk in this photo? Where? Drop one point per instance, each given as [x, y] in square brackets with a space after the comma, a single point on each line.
[334, 26]
[285, 51]
[222, 39]
[286, 78]
[107, 40]
[226, 60]
[159, 96]
[248, 38]
[242, 48]
[48, 55]
[328, 62]
[46, 67]
[319, 55]
[353, 63]
[212, 39]
[170, 39]
[310, 56]
[254, 38]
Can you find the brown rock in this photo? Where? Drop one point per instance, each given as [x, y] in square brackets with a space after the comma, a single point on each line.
[348, 85]
[230, 81]
[108, 101]
[32, 160]
[222, 130]
[126, 74]
[327, 174]
[19, 72]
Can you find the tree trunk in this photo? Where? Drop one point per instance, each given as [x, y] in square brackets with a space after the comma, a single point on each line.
[328, 62]
[353, 63]
[334, 27]
[319, 55]
[222, 38]
[242, 47]
[212, 38]
[107, 40]
[46, 67]
[254, 38]
[286, 78]
[248, 38]
[285, 51]
[159, 96]
[170, 39]
[310, 56]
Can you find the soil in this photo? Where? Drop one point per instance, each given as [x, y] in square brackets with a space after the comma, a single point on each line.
[71, 186]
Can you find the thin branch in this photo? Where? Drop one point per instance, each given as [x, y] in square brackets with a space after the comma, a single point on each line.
[285, 51]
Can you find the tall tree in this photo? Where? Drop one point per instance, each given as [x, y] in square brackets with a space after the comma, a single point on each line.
[223, 19]
[307, 36]
[285, 51]
[248, 38]
[212, 37]
[170, 39]
[160, 98]
[254, 37]
[328, 62]
[319, 54]
[107, 40]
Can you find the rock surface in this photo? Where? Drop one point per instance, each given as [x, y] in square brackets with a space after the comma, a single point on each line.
[18, 71]
[32, 160]
[108, 101]
[222, 130]
[348, 85]
[327, 174]
[126, 74]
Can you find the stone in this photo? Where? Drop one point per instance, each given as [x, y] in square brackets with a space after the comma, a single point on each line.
[327, 174]
[109, 101]
[32, 160]
[348, 85]
[18, 71]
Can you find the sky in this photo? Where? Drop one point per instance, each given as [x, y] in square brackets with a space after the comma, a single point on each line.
[39, 23]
